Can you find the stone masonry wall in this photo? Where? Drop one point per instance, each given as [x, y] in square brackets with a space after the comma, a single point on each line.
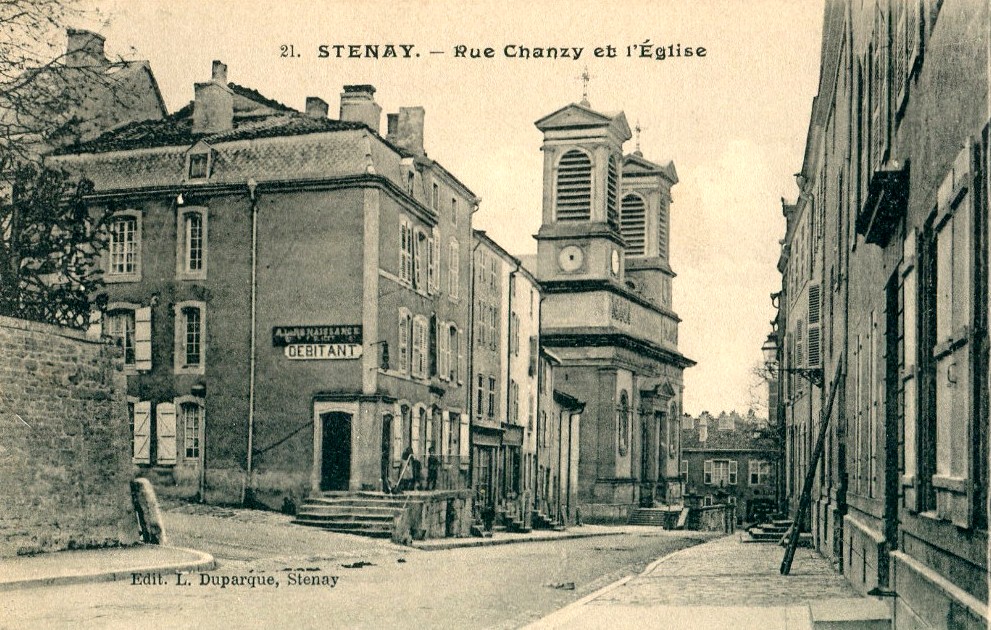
[65, 462]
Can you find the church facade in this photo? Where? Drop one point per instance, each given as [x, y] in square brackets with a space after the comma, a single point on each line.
[602, 259]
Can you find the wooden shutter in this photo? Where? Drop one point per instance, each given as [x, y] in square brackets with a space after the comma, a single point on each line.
[815, 340]
[95, 329]
[142, 432]
[165, 423]
[142, 338]
[397, 438]
[462, 365]
[414, 431]
[445, 433]
[463, 440]
[435, 261]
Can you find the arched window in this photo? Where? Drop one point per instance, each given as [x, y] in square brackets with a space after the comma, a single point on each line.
[612, 193]
[623, 421]
[633, 225]
[574, 187]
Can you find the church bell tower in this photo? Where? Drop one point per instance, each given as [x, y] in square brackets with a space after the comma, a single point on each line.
[579, 238]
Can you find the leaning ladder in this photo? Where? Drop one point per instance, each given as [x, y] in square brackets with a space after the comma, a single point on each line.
[806, 498]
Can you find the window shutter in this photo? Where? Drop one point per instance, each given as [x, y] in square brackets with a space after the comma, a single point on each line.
[419, 241]
[445, 433]
[432, 345]
[435, 261]
[95, 329]
[707, 471]
[403, 341]
[910, 327]
[397, 438]
[414, 430]
[142, 338]
[733, 470]
[463, 440]
[444, 361]
[142, 432]
[454, 270]
[462, 365]
[815, 341]
[165, 432]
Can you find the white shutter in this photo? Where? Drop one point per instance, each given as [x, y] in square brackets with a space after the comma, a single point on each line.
[165, 433]
[142, 338]
[397, 438]
[462, 365]
[404, 333]
[443, 352]
[463, 440]
[454, 271]
[445, 434]
[95, 329]
[434, 261]
[142, 432]
[415, 431]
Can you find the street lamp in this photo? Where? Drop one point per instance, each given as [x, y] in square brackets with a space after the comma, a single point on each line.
[770, 352]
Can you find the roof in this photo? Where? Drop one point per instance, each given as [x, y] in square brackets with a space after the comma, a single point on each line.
[740, 437]
[177, 130]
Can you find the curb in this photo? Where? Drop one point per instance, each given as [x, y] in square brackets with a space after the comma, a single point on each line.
[653, 565]
[487, 542]
[561, 614]
[203, 561]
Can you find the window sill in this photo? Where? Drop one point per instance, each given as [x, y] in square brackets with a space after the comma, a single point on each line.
[195, 370]
[121, 277]
[953, 484]
[190, 275]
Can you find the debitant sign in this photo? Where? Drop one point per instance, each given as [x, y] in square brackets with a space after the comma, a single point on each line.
[319, 342]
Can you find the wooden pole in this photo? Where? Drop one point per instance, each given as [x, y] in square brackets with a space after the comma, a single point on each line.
[805, 499]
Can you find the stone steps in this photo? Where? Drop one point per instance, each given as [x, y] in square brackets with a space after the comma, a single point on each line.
[363, 514]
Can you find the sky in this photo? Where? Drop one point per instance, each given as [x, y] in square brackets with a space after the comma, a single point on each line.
[734, 122]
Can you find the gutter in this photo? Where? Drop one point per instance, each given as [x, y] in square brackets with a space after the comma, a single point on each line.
[248, 489]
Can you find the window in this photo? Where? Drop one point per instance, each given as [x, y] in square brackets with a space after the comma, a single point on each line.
[199, 165]
[707, 501]
[454, 433]
[454, 270]
[191, 239]
[410, 180]
[124, 255]
[190, 339]
[573, 193]
[633, 224]
[514, 324]
[406, 251]
[684, 470]
[760, 473]
[514, 401]
[492, 396]
[480, 396]
[444, 351]
[191, 421]
[120, 326]
[435, 197]
[403, 336]
[453, 348]
[454, 211]
[720, 472]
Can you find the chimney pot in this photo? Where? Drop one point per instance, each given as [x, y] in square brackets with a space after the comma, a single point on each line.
[219, 72]
[316, 107]
[358, 105]
[85, 48]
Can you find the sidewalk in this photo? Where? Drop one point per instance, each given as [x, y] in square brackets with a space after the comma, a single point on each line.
[725, 583]
[98, 565]
[507, 538]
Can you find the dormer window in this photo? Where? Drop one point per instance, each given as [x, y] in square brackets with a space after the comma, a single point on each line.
[199, 161]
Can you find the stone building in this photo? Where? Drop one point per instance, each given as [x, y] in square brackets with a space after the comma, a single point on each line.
[75, 98]
[730, 459]
[291, 292]
[602, 260]
[504, 356]
[886, 254]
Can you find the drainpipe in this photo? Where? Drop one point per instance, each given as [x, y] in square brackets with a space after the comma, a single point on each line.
[470, 350]
[249, 480]
[509, 353]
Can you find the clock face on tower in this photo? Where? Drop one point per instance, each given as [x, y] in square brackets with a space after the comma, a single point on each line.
[615, 262]
[571, 258]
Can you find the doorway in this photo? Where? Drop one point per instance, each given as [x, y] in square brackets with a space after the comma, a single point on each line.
[335, 470]
[387, 454]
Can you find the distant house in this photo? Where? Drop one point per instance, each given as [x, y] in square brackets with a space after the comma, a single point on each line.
[729, 459]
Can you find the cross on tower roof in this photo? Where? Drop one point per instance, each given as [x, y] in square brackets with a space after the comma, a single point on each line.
[585, 77]
[637, 130]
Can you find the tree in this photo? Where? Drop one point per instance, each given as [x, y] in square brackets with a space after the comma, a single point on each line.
[50, 249]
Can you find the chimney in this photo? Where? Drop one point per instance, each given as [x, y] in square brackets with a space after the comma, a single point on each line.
[358, 105]
[316, 107]
[85, 48]
[213, 108]
[406, 129]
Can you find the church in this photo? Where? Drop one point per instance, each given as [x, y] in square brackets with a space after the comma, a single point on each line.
[602, 260]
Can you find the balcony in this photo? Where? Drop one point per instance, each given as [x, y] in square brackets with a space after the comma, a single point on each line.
[886, 204]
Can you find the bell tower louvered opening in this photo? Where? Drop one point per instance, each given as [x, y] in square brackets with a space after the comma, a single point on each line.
[612, 187]
[633, 224]
[574, 187]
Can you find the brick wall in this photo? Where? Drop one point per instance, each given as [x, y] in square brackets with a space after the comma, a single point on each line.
[64, 442]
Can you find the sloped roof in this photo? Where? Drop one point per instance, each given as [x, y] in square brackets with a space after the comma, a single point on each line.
[740, 437]
[177, 130]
